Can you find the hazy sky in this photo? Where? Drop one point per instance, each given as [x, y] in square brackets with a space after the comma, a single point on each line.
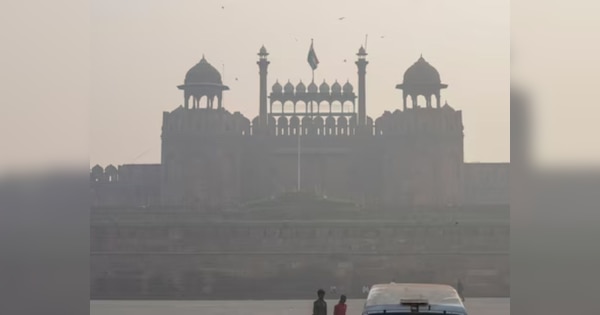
[88, 81]
[142, 49]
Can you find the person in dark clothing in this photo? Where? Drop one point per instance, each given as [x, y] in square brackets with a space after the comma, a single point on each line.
[320, 306]
[340, 308]
[459, 289]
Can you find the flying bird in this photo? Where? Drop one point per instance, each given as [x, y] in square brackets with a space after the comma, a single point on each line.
[223, 7]
[343, 17]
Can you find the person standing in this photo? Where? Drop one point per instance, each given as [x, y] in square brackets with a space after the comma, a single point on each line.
[320, 306]
[340, 308]
[459, 289]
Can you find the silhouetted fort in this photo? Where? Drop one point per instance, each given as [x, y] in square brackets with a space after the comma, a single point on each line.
[211, 158]
[380, 199]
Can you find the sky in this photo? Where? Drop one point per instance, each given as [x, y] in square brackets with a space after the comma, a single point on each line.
[86, 83]
[141, 50]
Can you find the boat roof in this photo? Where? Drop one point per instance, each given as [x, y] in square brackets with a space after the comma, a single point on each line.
[395, 293]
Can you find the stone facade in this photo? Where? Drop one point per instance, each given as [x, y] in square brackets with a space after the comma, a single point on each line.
[486, 183]
[130, 184]
[214, 159]
[191, 255]
[210, 221]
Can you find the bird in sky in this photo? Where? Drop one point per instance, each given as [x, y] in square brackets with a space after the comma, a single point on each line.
[343, 17]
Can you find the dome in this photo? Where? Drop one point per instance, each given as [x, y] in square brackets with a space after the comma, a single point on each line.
[422, 73]
[277, 88]
[300, 88]
[324, 88]
[336, 88]
[288, 88]
[348, 88]
[203, 72]
[362, 51]
[263, 51]
[312, 88]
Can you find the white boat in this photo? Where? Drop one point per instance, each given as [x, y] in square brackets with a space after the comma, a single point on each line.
[413, 298]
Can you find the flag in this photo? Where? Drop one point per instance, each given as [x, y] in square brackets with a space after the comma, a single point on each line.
[313, 61]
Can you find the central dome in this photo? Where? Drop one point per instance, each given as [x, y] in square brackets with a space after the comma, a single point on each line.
[203, 72]
[421, 73]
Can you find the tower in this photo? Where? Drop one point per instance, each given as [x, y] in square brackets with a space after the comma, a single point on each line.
[263, 64]
[425, 144]
[203, 80]
[201, 147]
[421, 79]
[361, 63]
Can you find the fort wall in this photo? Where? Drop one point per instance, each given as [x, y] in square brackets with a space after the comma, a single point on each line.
[186, 256]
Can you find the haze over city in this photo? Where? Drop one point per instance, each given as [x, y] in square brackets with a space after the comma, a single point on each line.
[140, 53]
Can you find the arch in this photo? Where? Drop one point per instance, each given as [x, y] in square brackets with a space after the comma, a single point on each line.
[307, 125]
[288, 107]
[409, 101]
[336, 107]
[352, 125]
[276, 106]
[186, 100]
[421, 100]
[272, 126]
[282, 126]
[342, 126]
[348, 107]
[255, 125]
[310, 106]
[318, 125]
[323, 106]
[330, 126]
[301, 107]
[111, 173]
[379, 124]
[97, 173]
[294, 126]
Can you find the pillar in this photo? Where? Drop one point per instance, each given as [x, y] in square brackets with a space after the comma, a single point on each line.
[263, 64]
[361, 63]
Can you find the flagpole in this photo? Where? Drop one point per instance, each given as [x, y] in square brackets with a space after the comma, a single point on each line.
[299, 132]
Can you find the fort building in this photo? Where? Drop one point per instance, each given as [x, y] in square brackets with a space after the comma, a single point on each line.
[311, 192]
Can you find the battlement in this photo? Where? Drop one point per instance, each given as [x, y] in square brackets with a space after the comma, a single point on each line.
[206, 122]
[130, 184]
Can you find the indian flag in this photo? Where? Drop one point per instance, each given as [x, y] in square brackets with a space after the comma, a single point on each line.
[313, 61]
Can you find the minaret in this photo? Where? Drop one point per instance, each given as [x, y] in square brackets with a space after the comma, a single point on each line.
[361, 63]
[263, 64]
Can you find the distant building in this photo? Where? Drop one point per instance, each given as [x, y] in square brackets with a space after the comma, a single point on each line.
[220, 217]
[213, 159]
